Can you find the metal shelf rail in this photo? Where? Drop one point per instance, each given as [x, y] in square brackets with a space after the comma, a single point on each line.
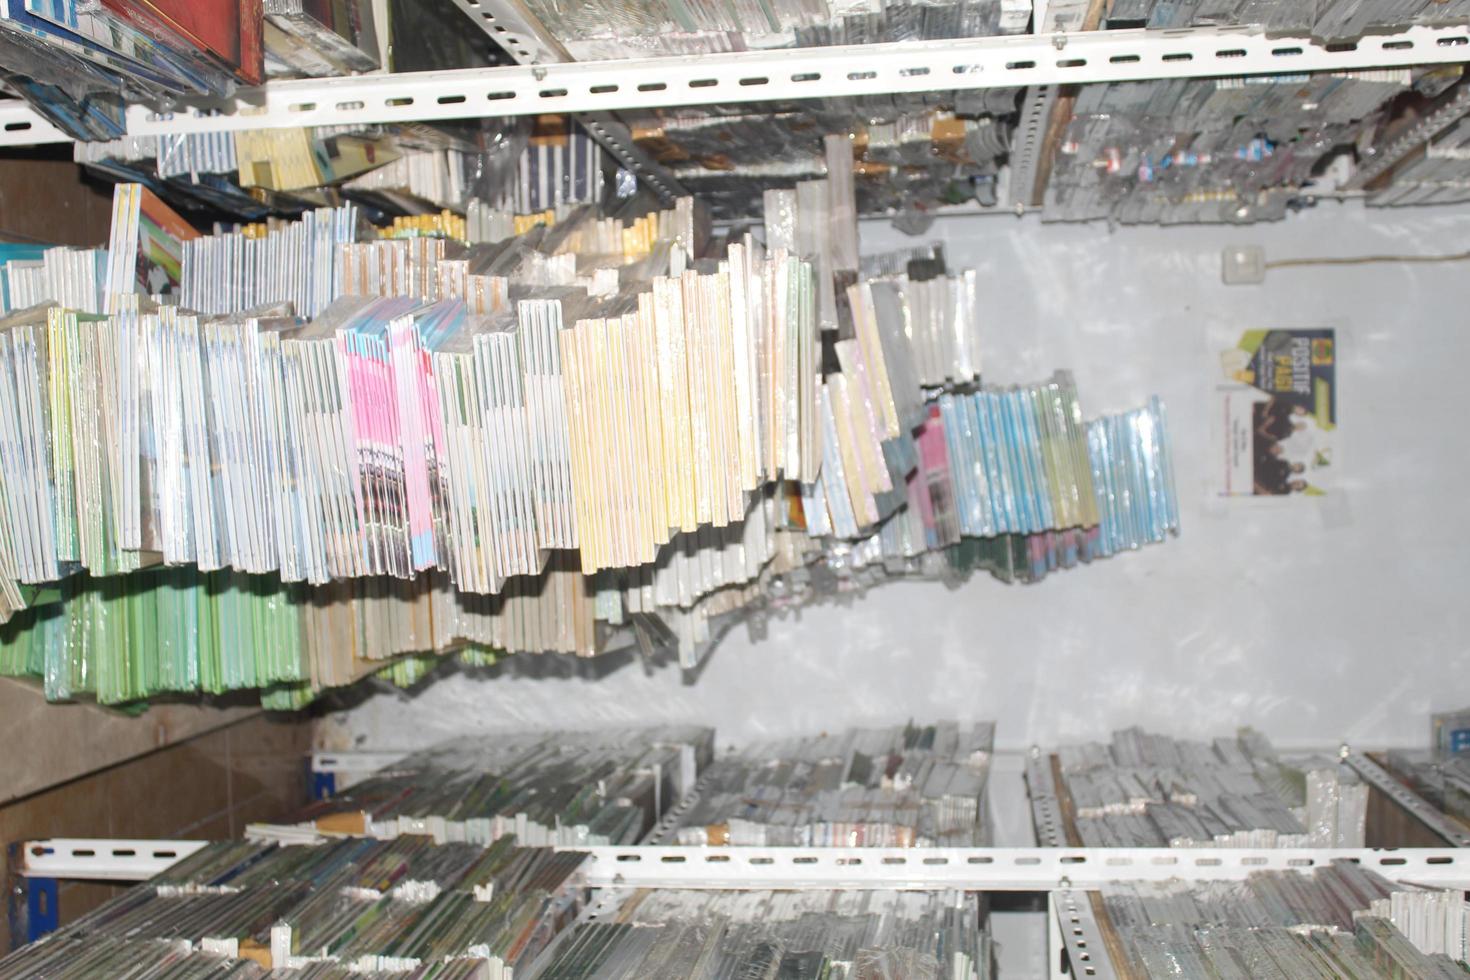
[102, 860]
[1451, 831]
[1076, 945]
[1076, 932]
[36, 868]
[526, 41]
[1046, 805]
[769, 76]
[1024, 869]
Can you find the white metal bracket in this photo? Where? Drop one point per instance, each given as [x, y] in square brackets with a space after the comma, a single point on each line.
[670, 822]
[1077, 927]
[353, 763]
[1027, 144]
[1046, 808]
[102, 859]
[512, 25]
[776, 75]
[1031, 869]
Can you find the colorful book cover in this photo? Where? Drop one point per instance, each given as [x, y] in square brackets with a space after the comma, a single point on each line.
[231, 30]
[161, 234]
[1276, 412]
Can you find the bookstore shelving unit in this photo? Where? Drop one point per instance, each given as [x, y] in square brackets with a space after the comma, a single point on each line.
[782, 74]
[545, 80]
[1032, 61]
[1078, 940]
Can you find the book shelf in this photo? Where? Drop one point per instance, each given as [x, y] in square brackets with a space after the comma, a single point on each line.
[1042, 68]
[774, 75]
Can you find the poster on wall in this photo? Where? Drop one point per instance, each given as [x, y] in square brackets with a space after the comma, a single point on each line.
[1275, 409]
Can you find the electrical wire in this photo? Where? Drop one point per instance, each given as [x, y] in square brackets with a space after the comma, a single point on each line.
[1368, 260]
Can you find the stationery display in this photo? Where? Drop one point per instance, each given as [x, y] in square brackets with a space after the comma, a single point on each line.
[896, 154]
[1440, 774]
[79, 63]
[74, 277]
[123, 638]
[318, 38]
[292, 262]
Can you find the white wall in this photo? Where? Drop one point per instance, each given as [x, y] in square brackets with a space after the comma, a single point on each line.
[1342, 618]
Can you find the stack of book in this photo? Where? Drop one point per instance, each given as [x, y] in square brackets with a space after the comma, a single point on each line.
[705, 935]
[890, 787]
[519, 446]
[564, 788]
[1143, 790]
[1339, 921]
[350, 907]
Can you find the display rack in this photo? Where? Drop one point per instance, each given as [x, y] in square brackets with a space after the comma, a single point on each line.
[768, 76]
[1068, 876]
[523, 38]
[992, 869]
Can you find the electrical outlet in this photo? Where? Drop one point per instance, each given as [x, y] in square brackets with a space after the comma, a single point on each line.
[1243, 265]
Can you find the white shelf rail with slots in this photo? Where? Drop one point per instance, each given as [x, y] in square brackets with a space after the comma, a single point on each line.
[108, 859]
[1067, 875]
[992, 869]
[769, 76]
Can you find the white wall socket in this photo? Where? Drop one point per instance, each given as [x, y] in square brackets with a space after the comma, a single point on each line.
[1243, 264]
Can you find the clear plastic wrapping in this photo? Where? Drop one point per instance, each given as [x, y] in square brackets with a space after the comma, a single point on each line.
[323, 37]
[1158, 151]
[761, 934]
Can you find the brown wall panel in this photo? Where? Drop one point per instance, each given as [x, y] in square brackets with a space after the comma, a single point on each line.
[46, 744]
[44, 197]
[206, 788]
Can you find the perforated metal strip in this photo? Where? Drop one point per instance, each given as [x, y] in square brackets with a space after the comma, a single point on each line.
[1027, 144]
[1386, 157]
[661, 831]
[1046, 808]
[512, 25]
[1420, 809]
[766, 76]
[992, 868]
[1082, 938]
[102, 860]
